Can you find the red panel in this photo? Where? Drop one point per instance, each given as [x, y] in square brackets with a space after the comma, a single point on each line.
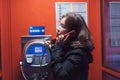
[117, 74]
[95, 28]
[0, 38]
[5, 40]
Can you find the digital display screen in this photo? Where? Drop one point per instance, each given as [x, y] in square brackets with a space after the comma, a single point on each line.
[37, 49]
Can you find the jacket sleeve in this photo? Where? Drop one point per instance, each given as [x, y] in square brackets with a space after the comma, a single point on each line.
[64, 69]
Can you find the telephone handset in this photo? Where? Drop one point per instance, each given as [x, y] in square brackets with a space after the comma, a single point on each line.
[66, 36]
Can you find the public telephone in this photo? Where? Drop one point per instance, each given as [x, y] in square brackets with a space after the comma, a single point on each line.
[35, 64]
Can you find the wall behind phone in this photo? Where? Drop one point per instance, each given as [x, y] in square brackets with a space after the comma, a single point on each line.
[26, 13]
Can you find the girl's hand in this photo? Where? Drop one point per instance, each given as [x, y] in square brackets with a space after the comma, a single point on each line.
[48, 43]
[61, 39]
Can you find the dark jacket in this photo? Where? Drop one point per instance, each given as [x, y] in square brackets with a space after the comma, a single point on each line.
[69, 63]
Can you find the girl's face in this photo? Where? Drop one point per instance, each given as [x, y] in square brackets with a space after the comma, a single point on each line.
[62, 28]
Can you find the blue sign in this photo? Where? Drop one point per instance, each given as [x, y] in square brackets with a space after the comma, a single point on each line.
[37, 30]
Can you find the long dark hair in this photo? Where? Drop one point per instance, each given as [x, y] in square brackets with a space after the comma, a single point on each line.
[76, 22]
